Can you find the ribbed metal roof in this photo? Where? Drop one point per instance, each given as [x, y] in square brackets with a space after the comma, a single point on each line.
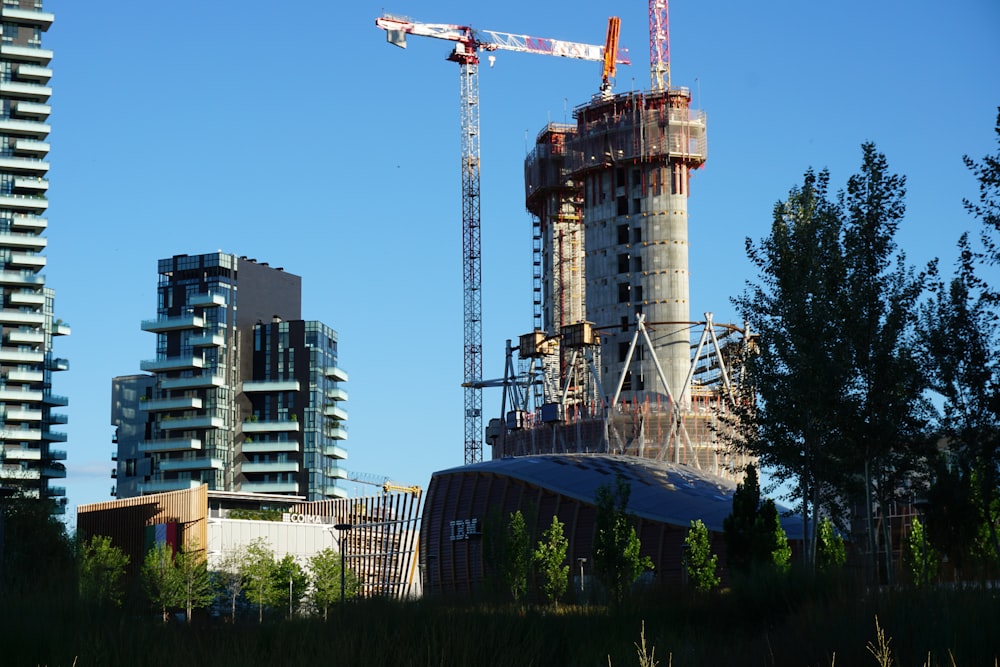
[665, 492]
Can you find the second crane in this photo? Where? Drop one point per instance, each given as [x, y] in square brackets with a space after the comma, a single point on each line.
[468, 44]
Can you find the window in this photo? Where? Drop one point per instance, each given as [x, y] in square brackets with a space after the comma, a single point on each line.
[623, 263]
[637, 235]
[637, 263]
[623, 292]
[622, 234]
[622, 203]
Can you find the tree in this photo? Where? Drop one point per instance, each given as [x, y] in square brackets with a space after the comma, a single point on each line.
[738, 528]
[258, 572]
[36, 554]
[699, 561]
[617, 560]
[517, 556]
[550, 558]
[921, 556]
[324, 571]
[800, 369]
[830, 552]
[840, 407]
[160, 579]
[102, 571]
[290, 582]
[193, 579]
[770, 545]
[230, 579]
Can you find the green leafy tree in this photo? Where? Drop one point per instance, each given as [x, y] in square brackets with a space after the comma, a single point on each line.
[617, 559]
[550, 559]
[230, 579]
[195, 590]
[517, 556]
[771, 546]
[258, 571]
[102, 571]
[324, 572]
[160, 579]
[921, 556]
[789, 422]
[738, 528]
[699, 561]
[830, 552]
[290, 583]
[36, 554]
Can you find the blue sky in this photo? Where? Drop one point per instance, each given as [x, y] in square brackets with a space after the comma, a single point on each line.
[292, 133]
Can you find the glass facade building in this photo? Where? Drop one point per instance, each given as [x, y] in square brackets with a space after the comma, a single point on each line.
[31, 457]
[243, 392]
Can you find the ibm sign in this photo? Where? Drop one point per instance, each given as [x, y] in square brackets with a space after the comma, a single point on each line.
[463, 529]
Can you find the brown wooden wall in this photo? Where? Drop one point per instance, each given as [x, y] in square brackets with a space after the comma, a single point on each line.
[125, 521]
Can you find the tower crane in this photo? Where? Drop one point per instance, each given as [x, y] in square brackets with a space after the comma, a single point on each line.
[659, 45]
[468, 43]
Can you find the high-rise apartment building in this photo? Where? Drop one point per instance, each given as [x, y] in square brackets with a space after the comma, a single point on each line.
[243, 394]
[29, 459]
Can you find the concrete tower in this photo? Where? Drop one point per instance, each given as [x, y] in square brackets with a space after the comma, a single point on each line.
[28, 458]
[633, 154]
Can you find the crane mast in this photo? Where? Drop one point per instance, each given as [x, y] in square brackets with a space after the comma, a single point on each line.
[468, 43]
[659, 45]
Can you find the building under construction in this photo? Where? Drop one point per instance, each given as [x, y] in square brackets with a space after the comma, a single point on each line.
[615, 363]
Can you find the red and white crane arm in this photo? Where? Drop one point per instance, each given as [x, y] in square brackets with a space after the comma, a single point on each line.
[492, 40]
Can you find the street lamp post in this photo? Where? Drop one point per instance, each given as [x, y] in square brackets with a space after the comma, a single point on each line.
[581, 560]
[342, 528]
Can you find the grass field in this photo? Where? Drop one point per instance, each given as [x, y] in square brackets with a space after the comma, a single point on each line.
[782, 624]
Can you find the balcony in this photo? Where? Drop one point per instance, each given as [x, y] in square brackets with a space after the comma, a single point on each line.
[58, 418]
[22, 165]
[10, 316]
[26, 53]
[25, 376]
[191, 423]
[58, 364]
[336, 394]
[162, 404]
[57, 454]
[55, 471]
[277, 426]
[196, 382]
[256, 447]
[249, 468]
[30, 185]
[335, 473]
[23, 202]
[269, 487]
[55, 491]
[169, 445]
[32, 147]
[22, 415]
[335, 451]
[164, 324]
[270, 385]
[28, 128]
[171, 364]
[21, 454]
[207, 300]
[27, 259]
[29, 72]
[208, 340]
[19, 395]
[54, 399]
[35, 110]
[10, 356]
[25, 91]
[334, 491]
[335, 373]
[336, 412]
[21, 434]
[25, 297]
[202, 463]
[60, 328]
[18, 474]
[336, 432]
[19, 337]
[54, 436]
[20, 277]
[168, 485]
[33, 17]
